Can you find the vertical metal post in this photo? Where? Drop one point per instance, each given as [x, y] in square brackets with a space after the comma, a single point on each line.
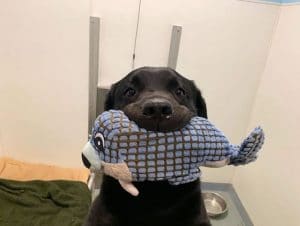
[174, 46]
[93, 69]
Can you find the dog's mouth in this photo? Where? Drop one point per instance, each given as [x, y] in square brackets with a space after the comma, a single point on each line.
[169, 124]
[159, 125]
[179, 118]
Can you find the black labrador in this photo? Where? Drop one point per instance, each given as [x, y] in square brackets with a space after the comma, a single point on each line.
[158, 99]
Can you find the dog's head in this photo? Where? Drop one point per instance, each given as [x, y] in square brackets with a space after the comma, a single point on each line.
[157, 99]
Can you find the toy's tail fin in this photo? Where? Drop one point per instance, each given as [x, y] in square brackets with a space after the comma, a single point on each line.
[247, 151]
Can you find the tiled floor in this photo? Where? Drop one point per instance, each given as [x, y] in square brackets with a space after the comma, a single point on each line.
[236, 215]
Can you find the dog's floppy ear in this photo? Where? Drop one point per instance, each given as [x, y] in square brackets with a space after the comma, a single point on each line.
[110, 98]
[199, 102]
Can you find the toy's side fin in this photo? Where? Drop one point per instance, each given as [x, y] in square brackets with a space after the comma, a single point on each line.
[129, 187]
[217, 164]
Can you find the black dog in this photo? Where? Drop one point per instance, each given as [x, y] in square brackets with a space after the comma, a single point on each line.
[157, 99]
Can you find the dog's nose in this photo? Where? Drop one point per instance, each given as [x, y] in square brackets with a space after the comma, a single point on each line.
[157, 108]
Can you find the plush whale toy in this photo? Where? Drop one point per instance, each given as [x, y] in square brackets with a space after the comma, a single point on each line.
[129, 153]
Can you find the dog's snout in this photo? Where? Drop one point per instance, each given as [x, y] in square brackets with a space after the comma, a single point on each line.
[157, 108]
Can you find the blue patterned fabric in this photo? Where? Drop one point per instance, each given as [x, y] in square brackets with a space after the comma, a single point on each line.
[173, 156]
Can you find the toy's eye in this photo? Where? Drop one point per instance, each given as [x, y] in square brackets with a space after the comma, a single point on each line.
[99, 141]
[180, 92]
[129, 92]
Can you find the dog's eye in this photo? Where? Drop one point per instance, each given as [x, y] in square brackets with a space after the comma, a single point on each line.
[180, 92]
[130, 92]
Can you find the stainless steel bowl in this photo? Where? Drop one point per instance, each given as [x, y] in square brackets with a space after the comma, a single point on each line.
[215, 204]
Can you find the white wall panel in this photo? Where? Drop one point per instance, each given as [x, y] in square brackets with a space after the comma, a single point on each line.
[44, 79]
[117, 32]
[270, 189]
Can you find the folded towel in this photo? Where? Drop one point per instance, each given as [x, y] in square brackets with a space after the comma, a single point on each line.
[19, 170]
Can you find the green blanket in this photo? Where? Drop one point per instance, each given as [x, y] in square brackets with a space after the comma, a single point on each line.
[43, 203]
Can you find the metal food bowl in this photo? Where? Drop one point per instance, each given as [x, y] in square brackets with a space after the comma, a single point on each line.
[215, 204]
